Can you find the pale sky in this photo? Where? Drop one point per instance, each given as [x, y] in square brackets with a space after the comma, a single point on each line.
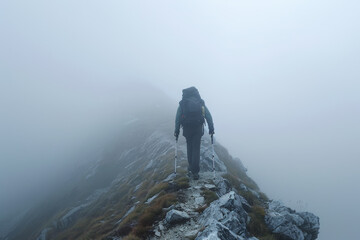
[281, 79]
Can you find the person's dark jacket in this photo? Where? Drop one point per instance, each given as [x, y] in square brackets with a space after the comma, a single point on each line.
[207, 116]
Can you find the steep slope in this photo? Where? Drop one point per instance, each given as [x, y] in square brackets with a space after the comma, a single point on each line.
[141, 199]
[138, 119]
[131, 192]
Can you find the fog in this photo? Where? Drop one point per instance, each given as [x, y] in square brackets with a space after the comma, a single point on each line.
[281, 79]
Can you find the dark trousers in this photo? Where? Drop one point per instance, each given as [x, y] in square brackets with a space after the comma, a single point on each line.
[193, 139]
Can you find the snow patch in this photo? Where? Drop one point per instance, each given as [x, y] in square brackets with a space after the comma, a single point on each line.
[170, 177]
[126, 214]
[137, 187]
[149, 165]
[152, 198]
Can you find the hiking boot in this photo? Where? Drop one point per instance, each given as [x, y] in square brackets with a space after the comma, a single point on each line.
[196, 176]
[189, 174]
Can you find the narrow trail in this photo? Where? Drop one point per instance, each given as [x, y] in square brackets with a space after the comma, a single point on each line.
[193, 200]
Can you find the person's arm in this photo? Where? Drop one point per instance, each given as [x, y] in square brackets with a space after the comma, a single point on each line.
[177, 122]
[209, 121]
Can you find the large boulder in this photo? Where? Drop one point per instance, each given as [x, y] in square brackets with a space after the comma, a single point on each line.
[291, 225]
[310, 226]
[227, 214]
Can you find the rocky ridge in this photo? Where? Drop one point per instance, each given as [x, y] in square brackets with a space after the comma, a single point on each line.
[228, 217]
[144, 199]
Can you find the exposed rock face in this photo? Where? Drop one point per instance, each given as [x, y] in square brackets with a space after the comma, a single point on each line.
[223, 187]
[218, 231]
[175, 216]
[225, 218]
[292, 225]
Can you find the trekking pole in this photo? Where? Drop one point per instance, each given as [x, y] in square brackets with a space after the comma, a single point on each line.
[213, 153]
[176, 152]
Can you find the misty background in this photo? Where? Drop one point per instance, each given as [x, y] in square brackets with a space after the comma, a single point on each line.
[281, 79]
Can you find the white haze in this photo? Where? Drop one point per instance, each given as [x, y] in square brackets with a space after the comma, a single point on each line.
[281, 79]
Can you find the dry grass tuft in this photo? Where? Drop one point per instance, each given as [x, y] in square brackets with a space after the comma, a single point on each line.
[151, 214]
[182, 183]
[157, 188]
[209, 196]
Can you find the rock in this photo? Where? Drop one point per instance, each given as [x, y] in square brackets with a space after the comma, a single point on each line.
[236, 222]
[233, 201]
[161, 227]
[196, 194]
[227, 211]
[223, 187]
[290, 231]
[311, 225]
[168, 208]
[291, 225]
[276, 206]
[191, 234]
[157, 233]
[217, 231]
[199, 200]
[210, 186]
[175, 216]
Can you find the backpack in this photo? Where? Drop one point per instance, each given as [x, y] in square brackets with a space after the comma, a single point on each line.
[192, 111]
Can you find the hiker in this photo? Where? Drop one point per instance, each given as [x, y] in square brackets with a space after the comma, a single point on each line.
[191, 115]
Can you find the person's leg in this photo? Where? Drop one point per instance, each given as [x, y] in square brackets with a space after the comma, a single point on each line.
[189, 152]
[195, 159]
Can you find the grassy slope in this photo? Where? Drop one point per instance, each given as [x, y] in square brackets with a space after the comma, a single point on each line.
[97, 221]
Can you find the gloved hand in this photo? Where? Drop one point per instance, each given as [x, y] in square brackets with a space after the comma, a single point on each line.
[211, 132]
[176, 134]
